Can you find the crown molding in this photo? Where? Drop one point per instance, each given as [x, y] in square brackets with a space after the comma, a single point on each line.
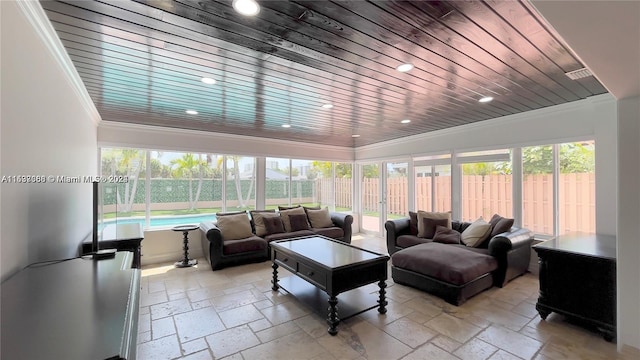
[36, 16]
[525, 116]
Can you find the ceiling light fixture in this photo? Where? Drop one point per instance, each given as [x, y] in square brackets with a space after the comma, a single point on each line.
[485, 99]
[285, 125]
[355, 136]
[327, 106]
[208, 80]
[191, 112]
[405, 121]
[404, 67]
[246, 7]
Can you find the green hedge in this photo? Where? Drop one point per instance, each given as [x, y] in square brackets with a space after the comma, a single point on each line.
[177, 190]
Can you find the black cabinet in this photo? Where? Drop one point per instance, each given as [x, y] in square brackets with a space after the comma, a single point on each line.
[578, 279]
[80, 309]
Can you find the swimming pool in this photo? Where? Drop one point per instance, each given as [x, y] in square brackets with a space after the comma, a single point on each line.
[165, 221]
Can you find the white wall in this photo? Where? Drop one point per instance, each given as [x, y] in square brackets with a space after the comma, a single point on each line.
[152, 137]
[166, 245]
[46, 130]
[628, 277]
[592, 118]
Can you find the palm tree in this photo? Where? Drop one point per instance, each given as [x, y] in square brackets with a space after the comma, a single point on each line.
[188, 165]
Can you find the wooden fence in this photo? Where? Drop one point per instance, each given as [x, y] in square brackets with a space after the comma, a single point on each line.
[487, 195]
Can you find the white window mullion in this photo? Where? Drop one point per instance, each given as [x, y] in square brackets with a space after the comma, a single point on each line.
[516, 190]
[224, 183]
[556, 189]
[147, 190]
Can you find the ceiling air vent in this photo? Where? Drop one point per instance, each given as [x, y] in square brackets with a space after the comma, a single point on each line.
[579, 74]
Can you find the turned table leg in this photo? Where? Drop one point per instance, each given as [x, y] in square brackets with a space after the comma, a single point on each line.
[333, 315]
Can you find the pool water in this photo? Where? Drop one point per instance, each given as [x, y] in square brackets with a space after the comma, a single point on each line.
[162, 221]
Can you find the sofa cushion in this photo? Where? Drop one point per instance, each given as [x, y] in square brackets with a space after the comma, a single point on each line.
[257, 218]
[333, 232]
[319, 218]
[273, 225]
[218, 214]
[413, 223]
[446, 236]
[280, 208]
[431, 215]
[298, 222]
[252, 243]
[235, 227]
[500, 224]
[288, 235]
[405, 241]
[284, 215]
[429, 226]
[448, 263]
[476, 233]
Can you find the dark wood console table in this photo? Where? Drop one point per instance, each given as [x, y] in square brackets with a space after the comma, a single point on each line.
[578, 279]
[122, 237]
[78, 309]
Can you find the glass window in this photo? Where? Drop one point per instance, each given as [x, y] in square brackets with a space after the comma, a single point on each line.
[277, 187]
[343, 187]
[123, 202]
[182, 188]
[576, 188]
[240, 188]
[397, 186]
[433, 187]
[537, 189]
[486, 185]
[303, 185]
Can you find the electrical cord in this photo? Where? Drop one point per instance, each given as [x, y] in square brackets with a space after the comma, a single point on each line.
[49, 262]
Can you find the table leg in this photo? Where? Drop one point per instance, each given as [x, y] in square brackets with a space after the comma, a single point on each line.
[185, 262]
[274, 281]
[382, 301]
[333, 315]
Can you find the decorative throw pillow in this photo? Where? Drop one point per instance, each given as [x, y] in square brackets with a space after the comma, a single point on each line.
[298, 222]
[413, 223]
[319, 218]
[218, 214]
[280, 208]
[446, 236]
[258, 217]
[430, 224]
[234, 227]
[431, 215]
[499, 225]
[476, 233]
[284, 215]
[273, 224]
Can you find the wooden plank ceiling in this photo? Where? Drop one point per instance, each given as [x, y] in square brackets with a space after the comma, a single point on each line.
[141, 61]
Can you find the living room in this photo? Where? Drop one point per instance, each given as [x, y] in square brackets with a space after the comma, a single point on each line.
[49, 129]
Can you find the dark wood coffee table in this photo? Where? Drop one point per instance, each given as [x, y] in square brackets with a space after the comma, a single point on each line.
[330, 271]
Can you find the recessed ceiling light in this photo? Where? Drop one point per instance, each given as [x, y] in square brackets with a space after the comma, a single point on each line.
[208, 80]
[355, 136]
[246, 7]
[485, 99]
[327, 106]
[286, 125]
[191, 112]
[405, 121]
[404, 67]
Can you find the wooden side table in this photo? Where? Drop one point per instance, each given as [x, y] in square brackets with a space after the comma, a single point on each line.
[186, 262]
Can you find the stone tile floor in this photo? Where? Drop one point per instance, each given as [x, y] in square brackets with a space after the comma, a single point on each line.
[199, 314]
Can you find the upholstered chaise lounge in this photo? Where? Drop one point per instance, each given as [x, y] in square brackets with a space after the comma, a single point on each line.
[455, 271]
